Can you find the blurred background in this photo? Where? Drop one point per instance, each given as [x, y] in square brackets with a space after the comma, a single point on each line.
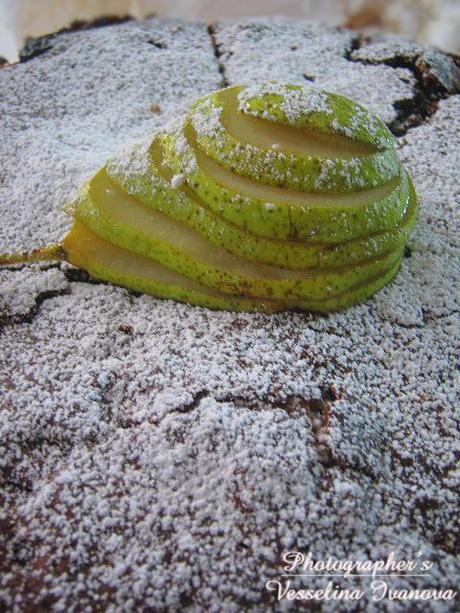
[435, 22]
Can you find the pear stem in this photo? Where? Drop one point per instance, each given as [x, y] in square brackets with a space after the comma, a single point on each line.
[53, 251]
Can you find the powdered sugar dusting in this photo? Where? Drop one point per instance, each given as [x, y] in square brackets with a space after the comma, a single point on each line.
[53, 136]
[206, 118]
[437, 66]
[20, 288]
[132, 160]
[295, 102]
[177, 180]
[158, 455]
[308, 51]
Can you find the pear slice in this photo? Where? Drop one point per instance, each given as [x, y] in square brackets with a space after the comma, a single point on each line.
[152, 185]
[321, 112]
[108, 262]
[103, 260]
[286, 156]
[122, 220]
[354, 295]
[279, 213]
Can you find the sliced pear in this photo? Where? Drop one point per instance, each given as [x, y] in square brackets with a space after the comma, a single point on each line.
[122, 220]
[310, 161]
[103, 260]
[113, 264]
[110, 263]
[153, 187]
[319, 111]
[263, 198]
[279, 213]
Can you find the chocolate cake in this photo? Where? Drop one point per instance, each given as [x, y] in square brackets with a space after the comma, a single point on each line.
[161, 457]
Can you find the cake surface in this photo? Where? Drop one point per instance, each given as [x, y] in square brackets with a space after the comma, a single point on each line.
[159, 455]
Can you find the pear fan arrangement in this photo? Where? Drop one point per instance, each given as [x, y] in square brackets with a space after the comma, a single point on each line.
[267, 197]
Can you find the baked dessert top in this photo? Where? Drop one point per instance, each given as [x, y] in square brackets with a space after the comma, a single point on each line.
[155, 454]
